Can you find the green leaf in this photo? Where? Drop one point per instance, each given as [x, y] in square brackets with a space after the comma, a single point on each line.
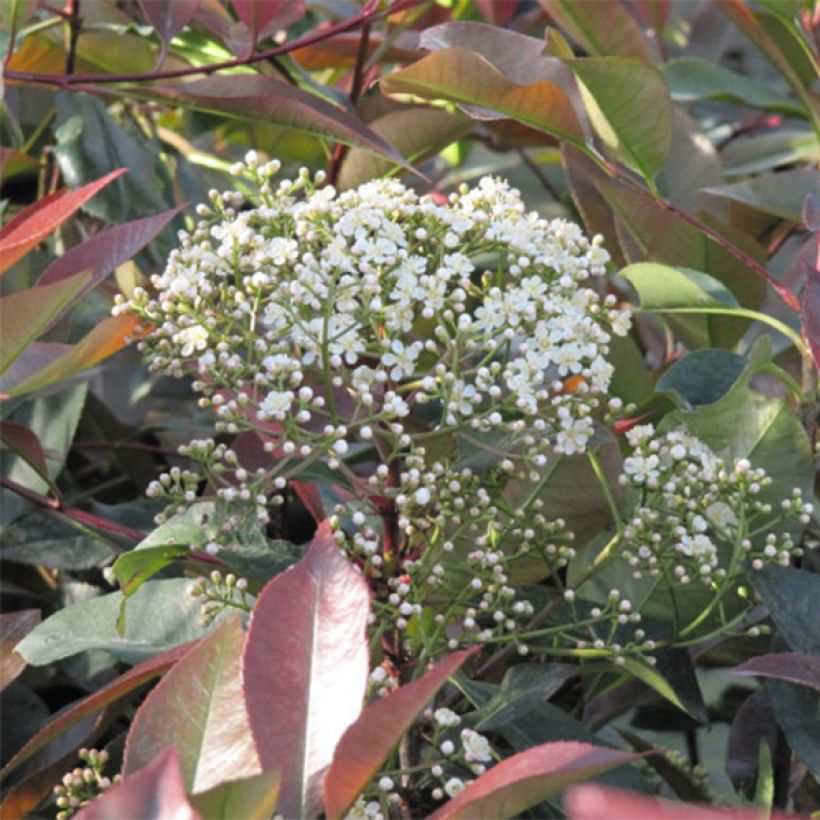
[137, 566]
[690, 79]
[661, 287]
[470, 79]
[793, 599]
[629, 106]
[38, 540]
[161, 615]
[251, 798]
[786, 146]
[25, 314]
[703, 376]
[780, 194]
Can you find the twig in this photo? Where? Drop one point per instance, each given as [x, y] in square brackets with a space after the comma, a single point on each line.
[368, 13]
[72, 17]
[71, 512]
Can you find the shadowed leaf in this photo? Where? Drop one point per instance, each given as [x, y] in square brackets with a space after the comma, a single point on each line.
[794, 667]
[14, 626]
[19, 439]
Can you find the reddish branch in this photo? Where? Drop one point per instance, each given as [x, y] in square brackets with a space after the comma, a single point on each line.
[368, 13]
[82, 517]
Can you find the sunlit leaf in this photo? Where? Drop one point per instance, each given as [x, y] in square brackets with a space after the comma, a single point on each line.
[527, 778]
[369, 739]
[251, 798]
[38, 221]
[305, 669]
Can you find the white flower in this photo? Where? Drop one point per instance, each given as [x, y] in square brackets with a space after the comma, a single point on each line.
[476, 746]
[642, 468]
[277, 403]
[454, 786]
[446, 717]
[401, 359]
[191, 339]
[699, 546]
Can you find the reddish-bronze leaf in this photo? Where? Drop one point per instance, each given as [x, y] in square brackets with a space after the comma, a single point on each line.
[154, 793]
[22, 441]
[529, 777]
[810, 313]
[14, 626]
[368, 740]
[38, 221]
[169, 17]
[259, 15]
[118, 688]
[305, 669]
[791, 666]
[198, 707]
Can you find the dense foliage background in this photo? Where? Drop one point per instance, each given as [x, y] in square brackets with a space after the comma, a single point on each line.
[685, 133]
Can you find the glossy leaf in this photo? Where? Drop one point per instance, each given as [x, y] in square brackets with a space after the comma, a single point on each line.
[118, 688]
[305, 669]
[199, 709]
[155, 793]
[109, 336]
[251, 798]
[465, 77]
[160, 615]
[527, 778]
[370, 738]
[417, 132]
[794, 667]
[661, 287]
[39, 220]
[14, 626]
[255, 97]
[593, 802]
[25, 314]
[691, 79]
[793, 599]
[608, 31]
[629, 106]
[21, 440]
[106, 250]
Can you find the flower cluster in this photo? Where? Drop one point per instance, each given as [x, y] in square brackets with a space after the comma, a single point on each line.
[218, 593]
[83, 784]
[698, 516]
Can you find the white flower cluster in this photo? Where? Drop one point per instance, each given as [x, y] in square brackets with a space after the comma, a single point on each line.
[325, 319]
[698, 516]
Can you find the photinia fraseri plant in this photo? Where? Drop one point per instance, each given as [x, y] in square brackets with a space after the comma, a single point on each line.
[304, 740]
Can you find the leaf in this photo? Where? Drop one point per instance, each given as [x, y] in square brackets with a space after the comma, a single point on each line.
[25, 314]
[465, 77]
[524, 687]
[21, 440]
[341, 50]
[49, 542]
[90, 142]
[94, 703]
[155, 793]
[661, 287]
[136, 566]
[13, 627]
[593, 802]
[108, 337]
[785, 146]
[255, 97]
[795, 667]
[160, 615]
[199, 709]
[629, 106]
[258, 14]
[703, 376]
[417, 132]
[608, 31]
[108, 249]
[527, 778]
[40, 219]
[793, 599]
[251, 798]
[168, 17]
[368, 741]
[797, 710]
[810, 314]
[677, 682]
[780, 194]
[309, 626]
[691, 79]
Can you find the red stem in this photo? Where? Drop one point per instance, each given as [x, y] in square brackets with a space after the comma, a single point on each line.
[368, 12]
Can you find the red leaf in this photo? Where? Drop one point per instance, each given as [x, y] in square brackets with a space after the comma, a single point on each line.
[198, 707]
[118, 688]
[169, 17]
[791, 666]
[594, 802]
[497, 12]
[308, 493]
[260, 15]
[155, 793]
[305, 669]
[529, 777]
[21, 440]
[810, 313]
[38, 221]
[368, 741]
[14, 626]
[103, 252]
